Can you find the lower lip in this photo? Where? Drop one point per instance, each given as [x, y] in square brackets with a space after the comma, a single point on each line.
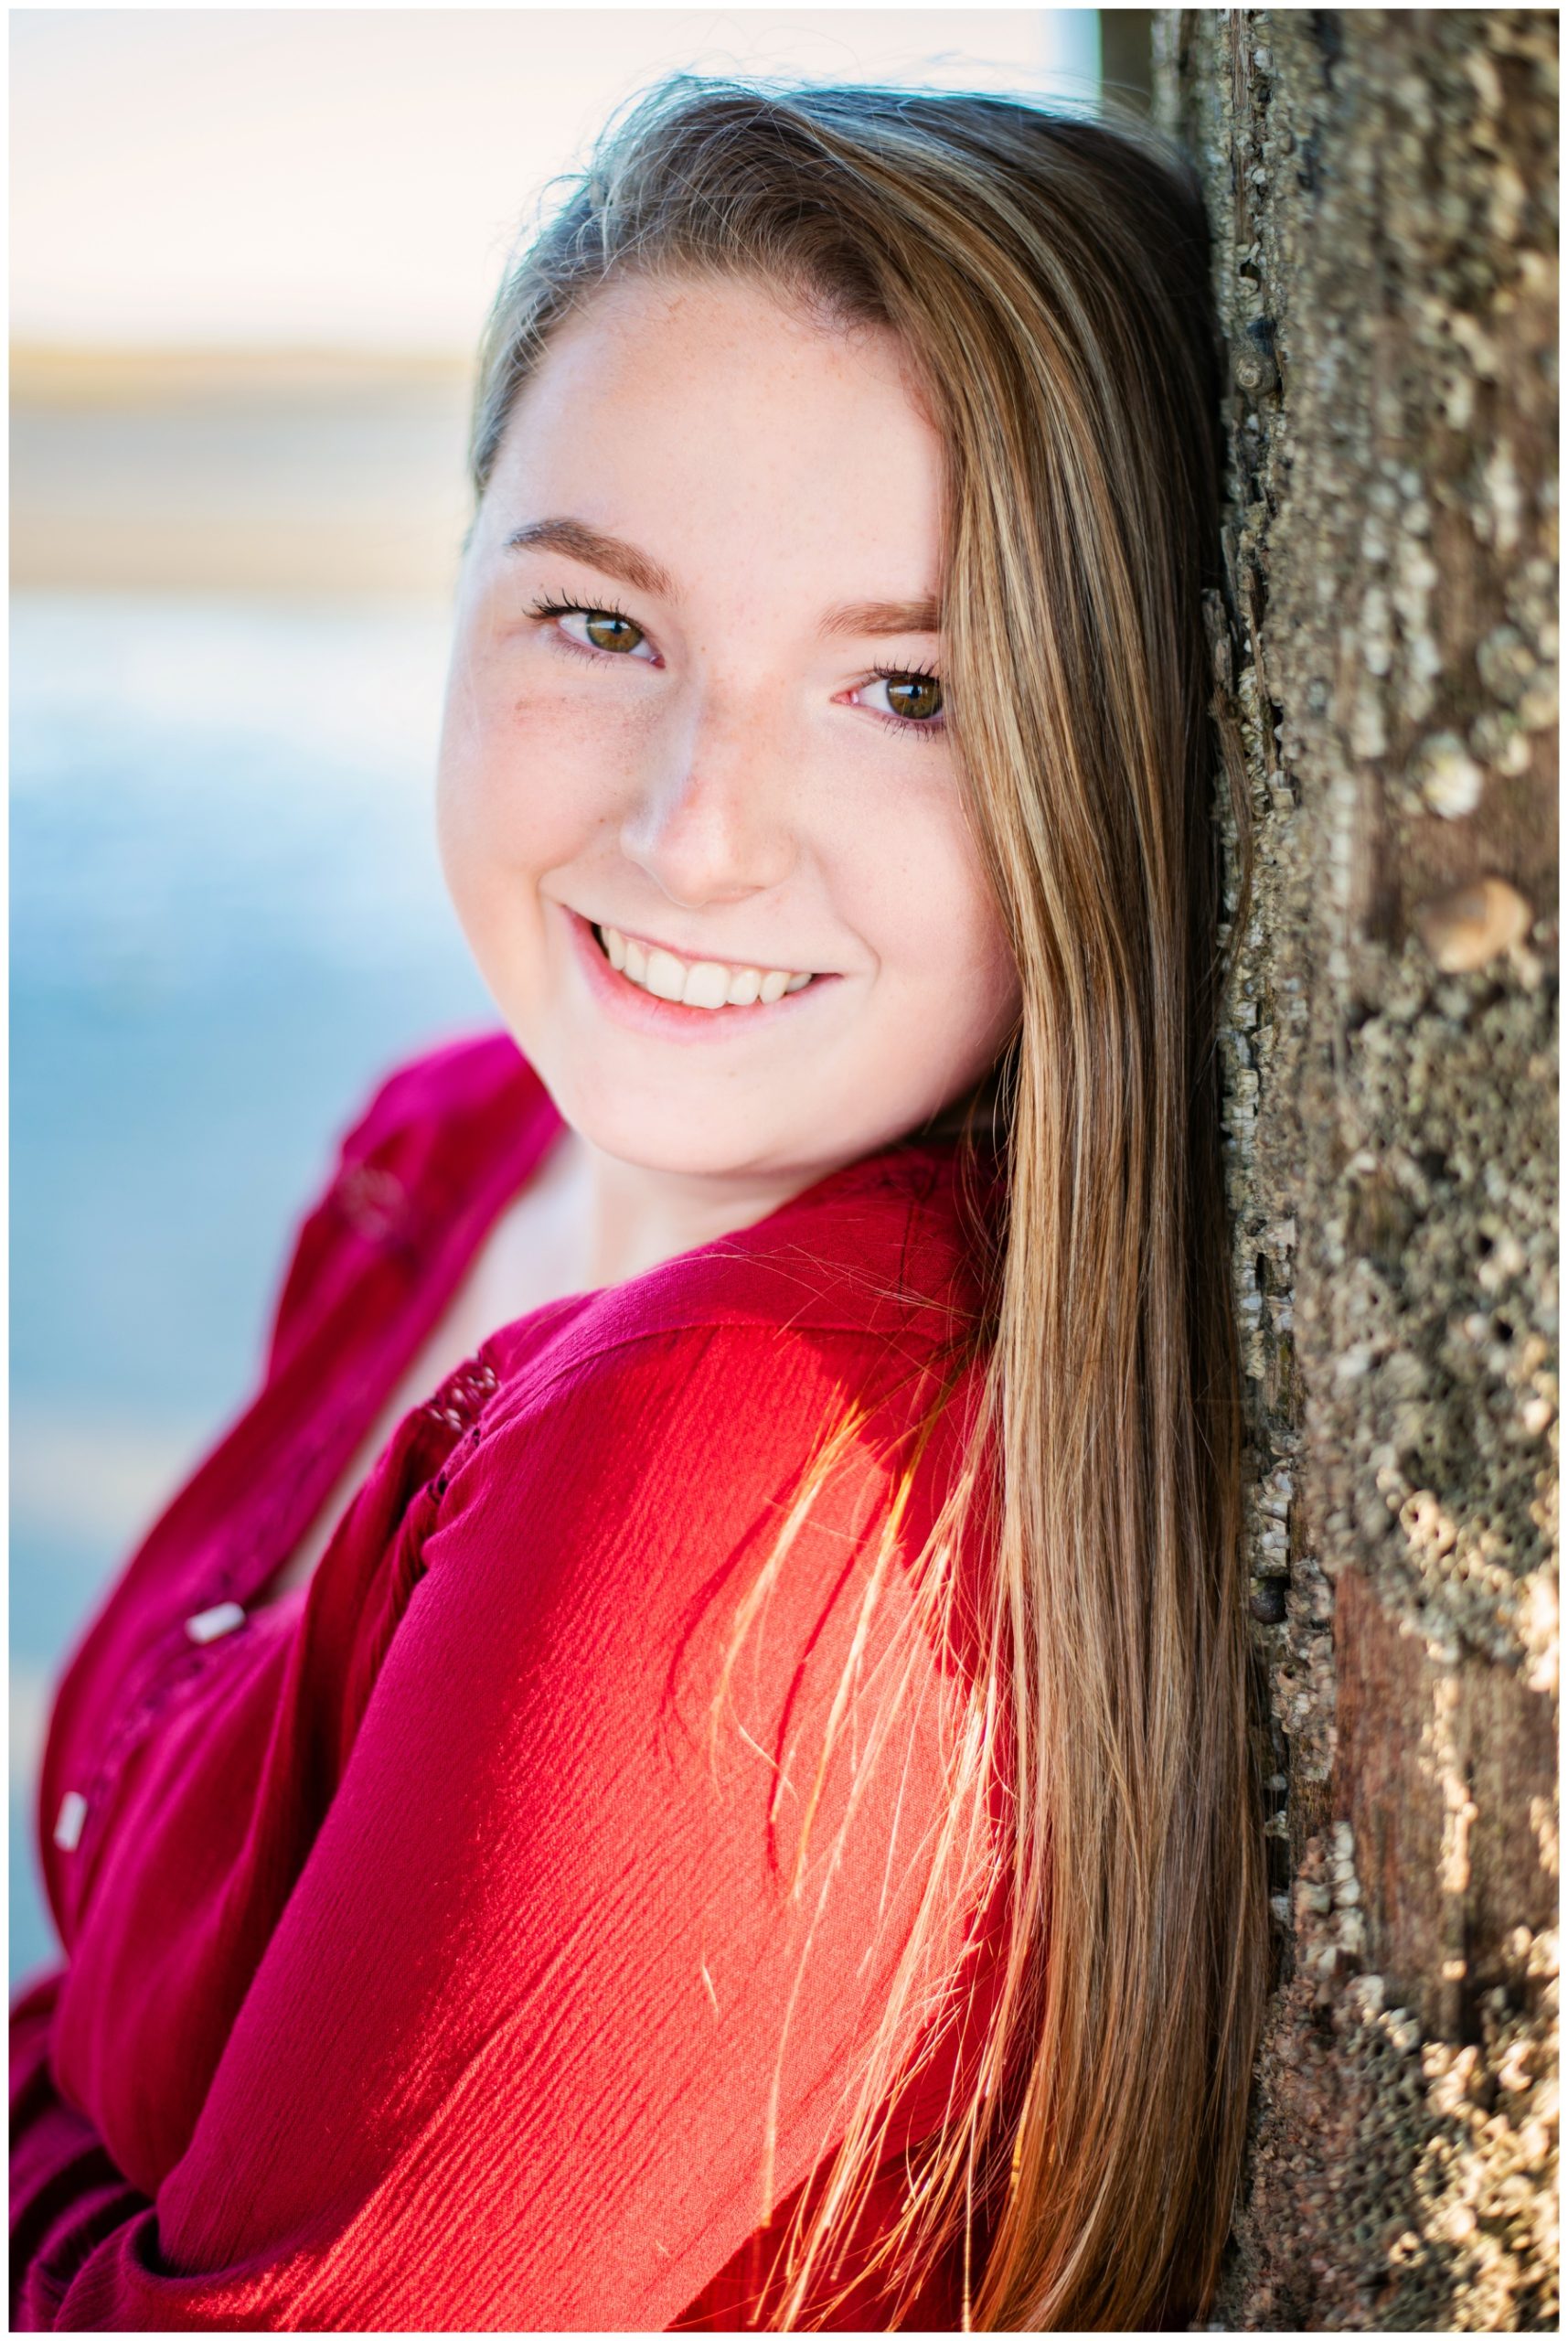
[671, 1020]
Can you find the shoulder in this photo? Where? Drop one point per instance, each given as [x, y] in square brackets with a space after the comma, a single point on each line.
[703, 1501]
[781, 1419]
[613, 1511]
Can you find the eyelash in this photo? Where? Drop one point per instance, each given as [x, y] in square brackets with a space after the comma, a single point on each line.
[545, 608]
[548, 609]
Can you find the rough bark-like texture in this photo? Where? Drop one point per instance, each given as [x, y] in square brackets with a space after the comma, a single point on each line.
[1382, 189]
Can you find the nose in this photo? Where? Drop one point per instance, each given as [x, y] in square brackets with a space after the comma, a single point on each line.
[711, 821]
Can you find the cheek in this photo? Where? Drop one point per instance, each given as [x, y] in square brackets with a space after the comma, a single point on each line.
[967, 991]
[941, 933]
[523, 780]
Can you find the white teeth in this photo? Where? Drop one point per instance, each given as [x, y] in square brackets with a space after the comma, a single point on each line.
[702, 983]
[666, 977]
[707, 985]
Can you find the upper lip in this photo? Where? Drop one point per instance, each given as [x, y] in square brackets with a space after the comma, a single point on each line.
[694, 957]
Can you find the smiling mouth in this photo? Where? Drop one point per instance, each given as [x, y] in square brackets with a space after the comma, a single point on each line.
[694, 983]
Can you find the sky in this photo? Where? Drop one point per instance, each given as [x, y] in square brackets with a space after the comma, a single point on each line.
[216, 177]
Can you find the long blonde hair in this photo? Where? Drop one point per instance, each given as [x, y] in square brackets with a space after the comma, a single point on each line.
[1047, 274]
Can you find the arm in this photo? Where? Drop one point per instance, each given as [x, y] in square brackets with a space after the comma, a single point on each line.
[506, 2061]
[64, 2190]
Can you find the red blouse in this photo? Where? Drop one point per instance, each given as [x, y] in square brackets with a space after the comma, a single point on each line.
[428, 1966]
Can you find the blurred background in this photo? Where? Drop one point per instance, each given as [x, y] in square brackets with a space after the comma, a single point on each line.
[252, 253]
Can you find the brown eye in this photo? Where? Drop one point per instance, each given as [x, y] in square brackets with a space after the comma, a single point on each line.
[917, 697]
[605, 630]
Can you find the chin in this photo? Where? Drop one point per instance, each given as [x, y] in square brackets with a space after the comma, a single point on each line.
[681, 1140]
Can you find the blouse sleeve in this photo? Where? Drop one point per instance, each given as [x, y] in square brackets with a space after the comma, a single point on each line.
[543, 2032]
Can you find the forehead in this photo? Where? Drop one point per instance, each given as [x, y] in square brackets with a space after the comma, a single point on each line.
[721, 418]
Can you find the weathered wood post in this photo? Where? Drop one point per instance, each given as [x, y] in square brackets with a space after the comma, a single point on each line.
[1381, 185]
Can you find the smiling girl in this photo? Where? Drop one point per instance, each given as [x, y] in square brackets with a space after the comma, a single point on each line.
[686, 1762]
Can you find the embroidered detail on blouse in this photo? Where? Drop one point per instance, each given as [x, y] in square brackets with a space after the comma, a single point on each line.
[374, 1202]
[461, 1397]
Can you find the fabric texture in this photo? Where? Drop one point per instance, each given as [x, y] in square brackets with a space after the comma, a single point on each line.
[433, 1957]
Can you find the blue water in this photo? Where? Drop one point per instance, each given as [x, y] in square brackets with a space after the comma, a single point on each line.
[226, 919]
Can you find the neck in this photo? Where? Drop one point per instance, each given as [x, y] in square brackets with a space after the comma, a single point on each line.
[636, 1218]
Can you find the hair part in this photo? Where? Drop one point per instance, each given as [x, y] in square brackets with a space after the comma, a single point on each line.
[1048, 276]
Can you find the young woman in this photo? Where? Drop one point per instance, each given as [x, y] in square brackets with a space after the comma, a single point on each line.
[686, 1762]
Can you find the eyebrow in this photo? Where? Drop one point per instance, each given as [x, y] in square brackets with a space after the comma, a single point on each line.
[924, 616]
[611, 554]
[615, 558]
